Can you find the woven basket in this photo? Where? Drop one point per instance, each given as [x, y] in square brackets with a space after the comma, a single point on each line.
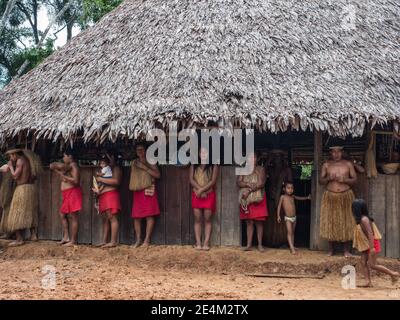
[390, 168]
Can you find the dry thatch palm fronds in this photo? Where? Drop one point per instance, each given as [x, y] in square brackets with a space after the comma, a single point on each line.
[268, 64]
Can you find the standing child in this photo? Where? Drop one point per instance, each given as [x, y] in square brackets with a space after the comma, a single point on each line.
[367, 240]
[287, 202]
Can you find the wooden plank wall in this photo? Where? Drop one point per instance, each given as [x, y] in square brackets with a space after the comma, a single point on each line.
[384, 205]
[174, 226]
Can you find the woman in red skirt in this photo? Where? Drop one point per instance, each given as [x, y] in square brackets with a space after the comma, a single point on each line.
[203, 178]
[145, 201]
[255, 213]
[109, 202]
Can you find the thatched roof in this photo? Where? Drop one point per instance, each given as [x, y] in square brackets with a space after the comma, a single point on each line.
[271, 64]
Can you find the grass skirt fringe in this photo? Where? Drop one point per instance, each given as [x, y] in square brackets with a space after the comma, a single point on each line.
[336, 219]
[24, 209]
[7, 188]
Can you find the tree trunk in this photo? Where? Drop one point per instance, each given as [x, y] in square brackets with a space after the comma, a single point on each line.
[35, 29]
[69, 31]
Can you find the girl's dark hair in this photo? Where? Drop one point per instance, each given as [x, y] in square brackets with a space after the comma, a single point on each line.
[360, 209]
[287, 182]
[105, 159]
[70, 153]
[208, 166]
[141, 144]
[117, 157]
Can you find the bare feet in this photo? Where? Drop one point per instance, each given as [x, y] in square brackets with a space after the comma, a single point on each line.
[293, 251]
[109, 245]
[367, 285]
[330, 254]
[206, 247]
[16, 243]
[146, 244]
[63, 241]
[137, 244]
[246, 248]
[34, 237]
[348, 255]
[69, 244]
[261, 248]
[197, 247]
[100, 245]
[395, 278]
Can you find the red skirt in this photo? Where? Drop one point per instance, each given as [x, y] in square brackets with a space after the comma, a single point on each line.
[377, 246]
[204, 203]
[110, 201]
[256, 211]
[144, 206]
[71, 200]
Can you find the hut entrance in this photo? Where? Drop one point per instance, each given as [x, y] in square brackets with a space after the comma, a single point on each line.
[286, 157]
[290, 156]
[302, 170]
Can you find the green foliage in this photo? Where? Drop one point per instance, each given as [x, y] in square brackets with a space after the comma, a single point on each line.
[33, 55]
[94, 10]
[17, 41]
[16, 17]
[306, 171]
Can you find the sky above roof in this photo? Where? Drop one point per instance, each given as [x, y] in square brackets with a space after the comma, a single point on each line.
[61, 37]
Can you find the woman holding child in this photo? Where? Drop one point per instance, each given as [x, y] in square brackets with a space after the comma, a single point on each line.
[253, 201]
[109, 198]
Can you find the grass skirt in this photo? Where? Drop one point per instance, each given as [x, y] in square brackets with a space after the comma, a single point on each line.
[24, 209]
[7, 188]
[337, 222]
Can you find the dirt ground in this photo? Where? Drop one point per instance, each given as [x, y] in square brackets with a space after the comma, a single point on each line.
[177, 272]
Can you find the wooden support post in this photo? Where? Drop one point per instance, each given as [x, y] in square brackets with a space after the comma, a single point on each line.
[377, 206]
[217, 217]
[392, 234]
[317, 190]
[231, 232]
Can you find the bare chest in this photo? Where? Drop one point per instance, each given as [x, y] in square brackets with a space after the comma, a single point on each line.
[338, 169]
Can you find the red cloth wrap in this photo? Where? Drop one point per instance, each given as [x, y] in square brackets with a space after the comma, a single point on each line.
[256, 211]
[145, 206]
[71, 200]
[110, 201]
[205, 203]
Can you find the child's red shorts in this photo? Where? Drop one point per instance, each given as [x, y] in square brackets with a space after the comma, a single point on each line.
[377, 246]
